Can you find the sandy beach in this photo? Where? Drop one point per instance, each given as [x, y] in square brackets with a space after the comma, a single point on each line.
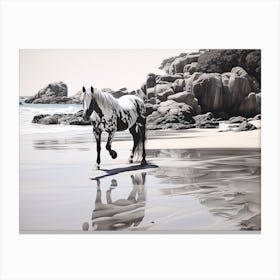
[197, 180]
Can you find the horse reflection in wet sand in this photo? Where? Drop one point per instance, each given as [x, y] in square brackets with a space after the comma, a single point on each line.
[121, 213]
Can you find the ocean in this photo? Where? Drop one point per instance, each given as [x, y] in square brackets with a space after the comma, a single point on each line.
[28, 111]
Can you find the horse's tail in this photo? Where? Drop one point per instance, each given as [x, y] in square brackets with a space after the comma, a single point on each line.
[140, 130]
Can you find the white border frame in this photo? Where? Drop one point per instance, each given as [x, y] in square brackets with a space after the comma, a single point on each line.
[133, 24]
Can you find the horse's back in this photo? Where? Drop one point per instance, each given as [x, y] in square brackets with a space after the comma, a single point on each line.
[132, 108]
[131, 102]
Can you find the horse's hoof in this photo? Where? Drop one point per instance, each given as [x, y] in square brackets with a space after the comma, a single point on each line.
[113, 154]
[98, 167]
[130, 161]
[143, 162]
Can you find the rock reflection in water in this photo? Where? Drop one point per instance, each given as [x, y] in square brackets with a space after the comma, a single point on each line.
[61, 144]
[121, 213]
[227, 182]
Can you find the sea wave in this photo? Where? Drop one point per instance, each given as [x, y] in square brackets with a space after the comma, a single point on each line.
[28, 111]
[50, 109]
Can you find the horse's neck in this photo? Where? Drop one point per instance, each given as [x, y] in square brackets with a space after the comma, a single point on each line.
[107, 103]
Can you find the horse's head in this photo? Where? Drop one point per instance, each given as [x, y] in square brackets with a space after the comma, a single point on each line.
[88, 102]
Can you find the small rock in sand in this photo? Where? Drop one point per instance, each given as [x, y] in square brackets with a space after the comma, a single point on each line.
[245, 126]
[85, 226]
[238, 119]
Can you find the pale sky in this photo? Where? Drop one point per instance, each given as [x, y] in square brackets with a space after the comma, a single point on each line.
[77, 68]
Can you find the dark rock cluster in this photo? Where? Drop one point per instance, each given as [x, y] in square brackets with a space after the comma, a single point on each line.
[71, 119]
[224, 94]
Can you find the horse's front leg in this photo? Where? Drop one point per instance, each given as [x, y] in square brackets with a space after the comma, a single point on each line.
[97, 135]
[113, 153]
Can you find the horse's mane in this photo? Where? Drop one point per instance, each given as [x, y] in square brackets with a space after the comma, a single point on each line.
[106, 100]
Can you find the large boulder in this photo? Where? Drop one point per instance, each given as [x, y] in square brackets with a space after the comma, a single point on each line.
[120, 92]
[190, 68]
[208, 89]
[168, 78]
[161, 88]
[176, 108]
[149, 108]
[53, 93]
[239, 88]
[224, 92]
[151, 80]
[162, 96]
[165, 106]
[206, 120]
[227, 100]
[180, 96]
[152, 118]
[178, 85]
[152, 100]
[169, 113]
[239, 71]
[188, 98]
[189, 81]
[254, 84]
[150, 93]
[251, 105]
[150, 83]
[237, 85]
[177, 66]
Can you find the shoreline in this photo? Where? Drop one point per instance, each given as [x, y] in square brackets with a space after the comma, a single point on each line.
[182, 139]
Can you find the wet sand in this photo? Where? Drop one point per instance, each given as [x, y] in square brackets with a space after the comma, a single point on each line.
[196, 180]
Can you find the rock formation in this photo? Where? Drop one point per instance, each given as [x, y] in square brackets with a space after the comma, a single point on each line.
[225, 94]
[71, 119]
[198, 88]
[51, 94]
[57, 93]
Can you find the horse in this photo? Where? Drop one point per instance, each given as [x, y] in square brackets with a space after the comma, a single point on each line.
[110, 114]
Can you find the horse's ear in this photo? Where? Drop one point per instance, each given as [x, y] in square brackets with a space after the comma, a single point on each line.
[84, 90]
[91, 89]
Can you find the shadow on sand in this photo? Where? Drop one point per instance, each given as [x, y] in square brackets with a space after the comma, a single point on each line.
[115, 171]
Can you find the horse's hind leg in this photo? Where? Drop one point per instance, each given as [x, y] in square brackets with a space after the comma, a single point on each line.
[136, 140]
[113, 153]
[143, 139]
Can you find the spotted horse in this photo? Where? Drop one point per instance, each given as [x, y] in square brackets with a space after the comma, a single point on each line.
[111, 114]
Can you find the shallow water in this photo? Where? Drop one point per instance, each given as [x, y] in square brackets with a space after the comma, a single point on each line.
[179, 191]
[220, 191]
